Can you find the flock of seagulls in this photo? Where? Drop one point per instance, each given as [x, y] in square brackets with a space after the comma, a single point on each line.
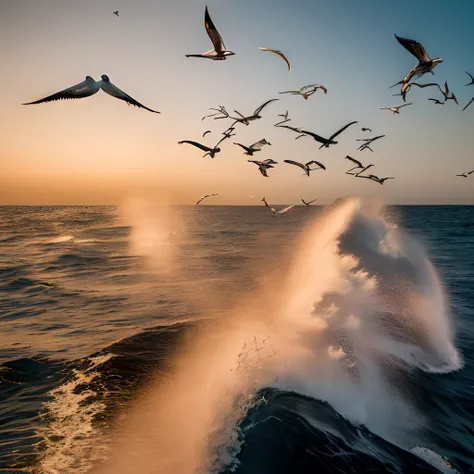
[425, 65]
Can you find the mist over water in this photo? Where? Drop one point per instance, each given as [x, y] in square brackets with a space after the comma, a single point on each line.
[359, 309]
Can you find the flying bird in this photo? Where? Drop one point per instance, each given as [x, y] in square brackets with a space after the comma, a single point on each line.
[219, 52]
[263, 166]
[468, 104]
[90, 87]
[274, 211]
[206, 132]
[209, 151]
[309, 202]
[466, 174]
[364, 129]
[284, 116]
[395, 110]
[206, 196]
[226, 135]
[437, 102]
[278, 53]
[256, 114]
[472, 80]
[306, 91]
[303, 133]
[257, 146]
[368, 142]
[306, 166]
[116, 13]
[425, 63]
[372, 177]
[358, 166]
[330, 140]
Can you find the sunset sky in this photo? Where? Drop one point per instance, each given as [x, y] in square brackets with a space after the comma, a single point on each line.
[100, 151]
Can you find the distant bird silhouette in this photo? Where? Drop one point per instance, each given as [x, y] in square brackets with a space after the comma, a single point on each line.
[256, 114]
[309, 202]
[116, 13]
[472, 80]
[206, 196]
[425, 63]
[209, 151]
[205, 133]
[274, 211]
[306, 166]
[219, 52]
[278, 53]
[395, 110]
[306, 91]
[437, 102]
[257, 146]
[358, 165]
[364, 129]
[90, 87]
[466, 174]
[368, 142]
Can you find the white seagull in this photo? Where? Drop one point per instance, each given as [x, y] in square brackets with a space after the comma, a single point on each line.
[206, 196]
[274, 211]
[90, 87]
[309, 202]
[466, 174]
[257, 146]
[219, 52]
[306, 166]
[395, 110]
[278, 53]
[425, 63]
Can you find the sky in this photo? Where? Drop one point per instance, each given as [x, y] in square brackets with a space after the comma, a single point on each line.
[100, 151]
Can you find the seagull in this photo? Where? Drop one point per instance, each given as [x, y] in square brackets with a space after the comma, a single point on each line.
[226, 135]
[90, 87]
[425, 64]
[472, 80]
[209, 151]
[116, 13]
[304, 133]
[306, 166]
[358, 166]
[372, 177]
[279, 53]
[395, 109]
[309, 202]
[306, 91]
[257, 146]
[284, 116]
[206, 196]
[263, 166]
[437, 102]
[274, 211]
[466, 174]
[368, 142]
[206, 132]
[468, 104]
[364, 129]
[255, 116]
[330, 140]
[446, 91]
[219, 52]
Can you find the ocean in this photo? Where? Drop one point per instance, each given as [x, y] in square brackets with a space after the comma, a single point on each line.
[148, 338]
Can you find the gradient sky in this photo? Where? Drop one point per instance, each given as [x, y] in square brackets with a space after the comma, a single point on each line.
[100, 151]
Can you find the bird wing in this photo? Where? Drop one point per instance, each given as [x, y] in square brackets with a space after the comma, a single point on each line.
[317, 137]
[258, 145]
[472, 79]
[285, 209]
[206, 132]
[404, 105]
[386, 108]
[290, 92]
[414, 48]
[297, 130]
[212, 32]
[259, 109]
[279, 53]
[315, 86]
[357, 162]
[316, 163]
[314, 200]
[469, 103]
[78, 91]
[206, 196]
[291, 162]
[114, 91]
[334, 135]
[196, 144]
[242, 146]
[470, 172]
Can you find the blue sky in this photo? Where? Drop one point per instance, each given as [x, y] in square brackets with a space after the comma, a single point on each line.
[101, 151]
